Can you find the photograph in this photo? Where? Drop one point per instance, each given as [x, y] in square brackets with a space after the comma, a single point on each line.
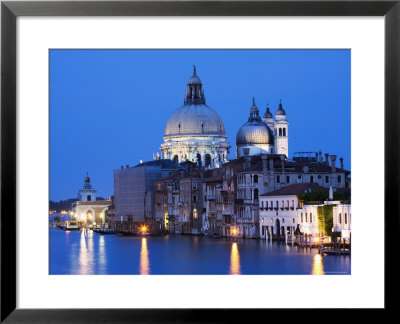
[199, 162]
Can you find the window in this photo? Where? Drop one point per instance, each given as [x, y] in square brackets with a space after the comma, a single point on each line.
[194, 185]
[299, 177]
[283, 204]
[255, 194]
[280, 131]
[301, 217]
[278, 179]
[294, 221]
[311, 178]
[310, 218]
[89, 198]
[255, 178]
[345, 218]
[306, 217]
[326, 179]
[179, 126]
[262, 220]
[271, 220]
[202, 127]
[284, 132]
[194, 213]
[339, 179]
[287, 179]
[194, 198]
[283, 220]
[207, 160]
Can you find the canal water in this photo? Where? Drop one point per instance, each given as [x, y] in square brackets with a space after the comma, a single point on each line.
[78, 253]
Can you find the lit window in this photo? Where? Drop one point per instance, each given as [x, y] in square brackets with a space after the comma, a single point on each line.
[195, 213]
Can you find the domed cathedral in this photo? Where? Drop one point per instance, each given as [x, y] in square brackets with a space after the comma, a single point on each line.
[195, 132]
[263, 136]
[254, 135]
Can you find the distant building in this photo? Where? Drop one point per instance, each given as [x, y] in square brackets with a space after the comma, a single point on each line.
[87, 210]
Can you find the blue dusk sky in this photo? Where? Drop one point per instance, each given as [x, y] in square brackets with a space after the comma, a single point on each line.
[109, 107]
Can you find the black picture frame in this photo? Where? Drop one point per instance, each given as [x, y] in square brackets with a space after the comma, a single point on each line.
[10, 10]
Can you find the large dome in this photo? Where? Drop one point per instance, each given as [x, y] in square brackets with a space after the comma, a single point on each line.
[194, 120]
[254, 131]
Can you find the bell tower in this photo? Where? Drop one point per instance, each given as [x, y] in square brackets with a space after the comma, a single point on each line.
[281, 127]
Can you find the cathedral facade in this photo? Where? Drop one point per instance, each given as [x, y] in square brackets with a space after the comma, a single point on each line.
[195, 132]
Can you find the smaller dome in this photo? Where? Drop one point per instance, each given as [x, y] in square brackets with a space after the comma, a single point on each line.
[267, 114]
[194, 79]
[280, 111]
[254, 131]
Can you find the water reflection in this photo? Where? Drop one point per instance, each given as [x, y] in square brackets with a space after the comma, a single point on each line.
[102, 254]
[86, 253]
[235, 259]
[318, 267]
[144, 258]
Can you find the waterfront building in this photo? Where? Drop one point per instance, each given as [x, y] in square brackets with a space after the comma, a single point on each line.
[264, 136]
[134, 194]
[213, 199]
[195, 132]
[87, 209]
[281, 213]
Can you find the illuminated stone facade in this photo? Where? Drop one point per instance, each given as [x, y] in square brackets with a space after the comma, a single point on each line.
[195, 132]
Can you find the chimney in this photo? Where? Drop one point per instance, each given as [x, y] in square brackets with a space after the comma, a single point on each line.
[326, 158]
[333, 161]
[341, 163]
[247, 159]
[264, 158]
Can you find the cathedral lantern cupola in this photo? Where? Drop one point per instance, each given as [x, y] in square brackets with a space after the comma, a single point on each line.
[194, 92]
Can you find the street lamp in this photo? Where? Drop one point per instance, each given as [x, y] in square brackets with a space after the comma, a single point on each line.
[234, 232]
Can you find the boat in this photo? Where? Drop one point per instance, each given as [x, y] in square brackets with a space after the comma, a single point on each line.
[71, 225]
[104, 231]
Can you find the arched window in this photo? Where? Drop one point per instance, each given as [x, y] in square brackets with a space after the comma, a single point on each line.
[280, 131]
[340, 218]
[255, 178]
[256, 193]
[179, 126]
[202, 127]
[345, 218]
[310, 218]
[207, 160]
[301, 217]
[198, 156]
[195, 213]
[89, 198]
[284, 132]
